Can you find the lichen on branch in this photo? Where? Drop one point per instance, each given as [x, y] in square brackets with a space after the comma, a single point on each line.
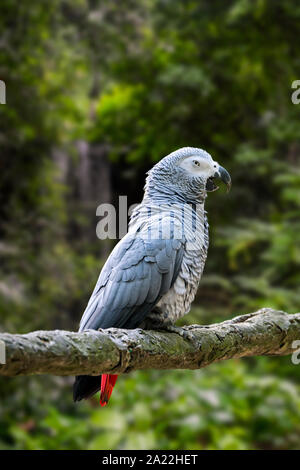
[118, 351]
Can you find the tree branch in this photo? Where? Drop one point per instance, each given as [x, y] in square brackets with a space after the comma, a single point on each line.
[266, 332]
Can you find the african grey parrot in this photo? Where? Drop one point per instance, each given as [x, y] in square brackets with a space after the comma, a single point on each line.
[151, 277]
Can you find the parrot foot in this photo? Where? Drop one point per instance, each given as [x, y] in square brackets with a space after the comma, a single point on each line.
[179, 330]
[154, 322]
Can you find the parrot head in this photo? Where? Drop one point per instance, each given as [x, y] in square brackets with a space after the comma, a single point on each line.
[189, 173]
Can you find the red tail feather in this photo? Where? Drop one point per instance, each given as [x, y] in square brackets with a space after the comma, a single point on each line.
[107, 384]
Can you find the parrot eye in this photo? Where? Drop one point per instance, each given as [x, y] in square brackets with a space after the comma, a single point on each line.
[196, 162]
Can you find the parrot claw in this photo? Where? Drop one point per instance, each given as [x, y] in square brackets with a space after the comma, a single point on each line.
[179, 330]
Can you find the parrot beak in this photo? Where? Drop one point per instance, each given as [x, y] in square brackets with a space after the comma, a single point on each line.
[223, 175]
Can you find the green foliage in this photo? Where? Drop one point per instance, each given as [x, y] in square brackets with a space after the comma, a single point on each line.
[145, 78]
[228, 406]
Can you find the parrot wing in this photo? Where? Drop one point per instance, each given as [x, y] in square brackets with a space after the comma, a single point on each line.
[136, 275]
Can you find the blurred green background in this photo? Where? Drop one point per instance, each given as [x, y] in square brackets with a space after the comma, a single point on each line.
[96, 93]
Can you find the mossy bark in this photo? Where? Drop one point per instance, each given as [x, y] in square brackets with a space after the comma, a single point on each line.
[266, 332]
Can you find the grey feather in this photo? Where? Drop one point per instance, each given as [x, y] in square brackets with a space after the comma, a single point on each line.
[143, 271]
[123, 297]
